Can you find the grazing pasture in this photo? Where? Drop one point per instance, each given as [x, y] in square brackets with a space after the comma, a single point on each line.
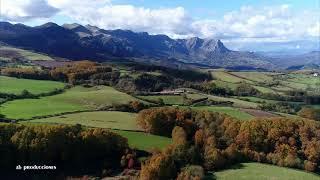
[257, 171]
[100, 119]
[136, 139]
[10, 53]
[254, 76]
[303, 78]
[236, 102]
[172, 99]
[257, 100]
[266, 90]
[144, 141]
[233, 112]
[16, 86]
[262, 80]
[232, 79]
[227, 77]
[224, 84]
[75, 99]
[195, 96]
[167, 99]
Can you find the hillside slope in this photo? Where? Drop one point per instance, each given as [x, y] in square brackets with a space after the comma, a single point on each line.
[76, 42]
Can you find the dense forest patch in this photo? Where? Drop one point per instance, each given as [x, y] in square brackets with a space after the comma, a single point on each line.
[215, 141]
[59, 146]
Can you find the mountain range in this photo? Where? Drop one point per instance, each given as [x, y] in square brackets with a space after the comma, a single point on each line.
[309, 60]
[77, 42]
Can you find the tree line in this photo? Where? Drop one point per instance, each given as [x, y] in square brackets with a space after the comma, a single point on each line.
[91, 73]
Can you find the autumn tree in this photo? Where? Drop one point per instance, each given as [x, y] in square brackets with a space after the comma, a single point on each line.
[310, 113]
[192, 172]
[179, 136]
[159, 166]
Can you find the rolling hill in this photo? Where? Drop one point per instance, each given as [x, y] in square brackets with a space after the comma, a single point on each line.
[310, 60]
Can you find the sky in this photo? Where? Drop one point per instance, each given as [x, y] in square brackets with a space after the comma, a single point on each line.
[252, 25]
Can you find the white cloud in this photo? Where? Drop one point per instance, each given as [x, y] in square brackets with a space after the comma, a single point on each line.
[101, 13]
[258, 24]
[23, 10]
[314, 30]
[264, 24]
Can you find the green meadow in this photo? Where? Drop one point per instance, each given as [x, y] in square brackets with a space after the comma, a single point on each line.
[144, 141]
[122, 123]
[101, 119]
[16, 86]
[257, 171]
[168, 100]
[28, 55]
[75, 99]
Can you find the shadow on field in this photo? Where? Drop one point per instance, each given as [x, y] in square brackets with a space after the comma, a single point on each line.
[212, 176]
[237, 166]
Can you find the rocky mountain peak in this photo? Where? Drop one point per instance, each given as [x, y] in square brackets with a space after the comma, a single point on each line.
[49, 25]
[206, 45]
[75, 41]
[79, 29]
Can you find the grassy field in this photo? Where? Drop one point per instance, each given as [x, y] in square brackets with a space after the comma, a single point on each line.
[257, 100]
[260, 80]
[261, 100]
[236, 102]
[303, 78]
[28, 55]
[114, 120]
[144, 141]
[168, 100]
[299, 81]
[78, 98]
[195, 96]
[101, 119]
[266, 90]
[172, 99]
[254, 76]
[232, 79]
[282, 88]
[138, 140]
[233, 112]
[257, 171]
[227, 77]
[224, 84]
[16, 86]
[28, 108]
